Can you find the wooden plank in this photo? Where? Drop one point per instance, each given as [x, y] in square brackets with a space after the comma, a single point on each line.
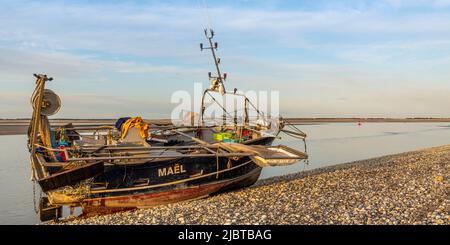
[160, 156]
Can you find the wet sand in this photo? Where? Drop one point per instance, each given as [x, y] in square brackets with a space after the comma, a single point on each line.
[20, 126]
[406, 188]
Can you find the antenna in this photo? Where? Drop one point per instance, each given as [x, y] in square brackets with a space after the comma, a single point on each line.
[209, 34]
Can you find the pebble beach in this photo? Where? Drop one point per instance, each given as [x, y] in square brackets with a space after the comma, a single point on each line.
[406, 188]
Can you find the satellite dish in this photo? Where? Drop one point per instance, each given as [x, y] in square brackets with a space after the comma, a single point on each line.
[50, 103]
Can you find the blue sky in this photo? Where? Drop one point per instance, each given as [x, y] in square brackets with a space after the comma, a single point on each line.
[327, 58]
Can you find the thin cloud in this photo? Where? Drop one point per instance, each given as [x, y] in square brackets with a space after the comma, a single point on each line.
[340, 49]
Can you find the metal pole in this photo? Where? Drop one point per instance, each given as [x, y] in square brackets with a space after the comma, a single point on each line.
[215, 58]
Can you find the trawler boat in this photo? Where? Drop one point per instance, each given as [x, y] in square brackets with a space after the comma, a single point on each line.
[135, 164]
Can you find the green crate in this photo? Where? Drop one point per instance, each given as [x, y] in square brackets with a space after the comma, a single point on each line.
[222, 136]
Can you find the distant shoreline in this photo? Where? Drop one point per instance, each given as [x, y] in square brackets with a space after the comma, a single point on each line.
[366, 120]
[20, 126]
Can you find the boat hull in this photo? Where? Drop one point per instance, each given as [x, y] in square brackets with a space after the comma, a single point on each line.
[106, 205]
[193, 178]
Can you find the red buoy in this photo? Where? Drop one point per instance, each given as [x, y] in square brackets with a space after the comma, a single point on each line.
[63, 153]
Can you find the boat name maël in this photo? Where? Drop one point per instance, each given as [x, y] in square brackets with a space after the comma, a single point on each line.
[175, 169]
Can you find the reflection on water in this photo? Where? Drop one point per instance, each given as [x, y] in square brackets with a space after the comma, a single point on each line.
[16, 189]
[328, 144]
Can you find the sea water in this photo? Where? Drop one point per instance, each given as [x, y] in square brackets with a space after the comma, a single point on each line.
[327, 144]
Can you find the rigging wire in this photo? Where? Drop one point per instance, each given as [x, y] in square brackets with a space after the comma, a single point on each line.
[206, 15]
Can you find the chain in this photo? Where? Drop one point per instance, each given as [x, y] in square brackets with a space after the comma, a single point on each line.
[36, 210]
